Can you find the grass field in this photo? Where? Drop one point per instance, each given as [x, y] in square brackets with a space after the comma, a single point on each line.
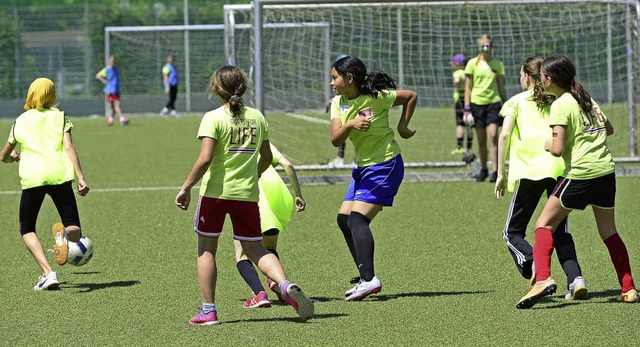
[448, 279]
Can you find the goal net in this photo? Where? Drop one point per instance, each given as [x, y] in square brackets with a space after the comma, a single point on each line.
[414, 42]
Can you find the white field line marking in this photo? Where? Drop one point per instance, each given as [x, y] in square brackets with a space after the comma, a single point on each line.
[110, 190]
[307, 118]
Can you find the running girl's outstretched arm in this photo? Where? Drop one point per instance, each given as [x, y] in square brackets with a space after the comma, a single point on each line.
[70, 149]
[408, 100]
[556, 145]
[293, 180]
[503, 147]
[200, 167]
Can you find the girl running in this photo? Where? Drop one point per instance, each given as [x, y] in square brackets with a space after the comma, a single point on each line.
[532, 171]
[231, 137]
[360, 112]
[579, 136]
[48, 161]
[484, 94]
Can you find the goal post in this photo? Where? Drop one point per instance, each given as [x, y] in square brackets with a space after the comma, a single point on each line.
[414, 41]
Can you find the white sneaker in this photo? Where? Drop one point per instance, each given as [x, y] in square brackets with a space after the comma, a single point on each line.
[47, 282]
[173, 113]
[364, 289]
[577, 289]
[337, 162]
[165, 111]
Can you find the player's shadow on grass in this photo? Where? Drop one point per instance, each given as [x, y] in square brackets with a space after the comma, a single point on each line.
[558, 301]
[385, 297]
[86, 272]
[291, 319]
[89, 287]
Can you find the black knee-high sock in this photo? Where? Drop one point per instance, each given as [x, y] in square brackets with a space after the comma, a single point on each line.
[346, 232]
[274, 252]
[363, 243]
[249, 274]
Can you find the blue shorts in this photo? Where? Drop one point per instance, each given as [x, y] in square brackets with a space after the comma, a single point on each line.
[378, 183]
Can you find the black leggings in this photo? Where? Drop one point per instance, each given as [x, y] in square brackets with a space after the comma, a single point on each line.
[62, 196]
[173, 95]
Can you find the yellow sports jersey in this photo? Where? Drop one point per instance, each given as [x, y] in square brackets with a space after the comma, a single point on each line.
[527, 157]
[233, 173]
[458, 89]
[43, 160]
[485, 80]
[586, 154]
[377, 144]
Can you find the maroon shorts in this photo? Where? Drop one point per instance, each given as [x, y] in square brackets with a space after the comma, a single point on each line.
[113, 97]
[245, 218]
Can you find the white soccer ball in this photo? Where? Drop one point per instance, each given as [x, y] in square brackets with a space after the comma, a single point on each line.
[80, 252]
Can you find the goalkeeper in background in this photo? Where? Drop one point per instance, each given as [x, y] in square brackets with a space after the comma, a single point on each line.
[170, 82]
[457, 64]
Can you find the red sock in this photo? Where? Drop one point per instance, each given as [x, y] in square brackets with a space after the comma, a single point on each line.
[542, 250]
[620, 260]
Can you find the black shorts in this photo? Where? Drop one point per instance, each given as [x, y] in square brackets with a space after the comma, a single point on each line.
[578, 194]
[459, 107]
[62, 196]
[483, 115]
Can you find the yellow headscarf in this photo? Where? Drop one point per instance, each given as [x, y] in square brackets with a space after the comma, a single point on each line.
[42, 94]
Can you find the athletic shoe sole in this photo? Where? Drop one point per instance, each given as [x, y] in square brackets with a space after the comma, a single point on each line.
[60, 247]
[305, 305]
[354, 297]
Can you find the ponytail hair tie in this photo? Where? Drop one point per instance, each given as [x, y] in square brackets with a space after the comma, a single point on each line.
[573, 82]
[366, 77]
[233, 97]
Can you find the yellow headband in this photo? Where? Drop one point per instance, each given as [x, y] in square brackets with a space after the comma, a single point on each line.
[42, 94]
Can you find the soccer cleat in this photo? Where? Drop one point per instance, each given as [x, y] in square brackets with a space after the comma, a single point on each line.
[274, 288]
[539, 290]
[173, 113]
[258, 300]
[204, 319]
[300, 302]
[364, 289]
[48, 282]
[356, 281]
[577, 289]
[165, 111]
[630, 296]
[458, 151]
[532, 282]
[124, 121]
[493, 177]
[110, 121]
[61, 246]
[482, 175]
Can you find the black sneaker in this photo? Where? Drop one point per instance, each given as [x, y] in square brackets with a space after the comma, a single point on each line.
[493, 177]
[482, 175]
[468, 158]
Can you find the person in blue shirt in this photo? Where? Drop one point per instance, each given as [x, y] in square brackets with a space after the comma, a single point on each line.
[170, 82]
[110, 76]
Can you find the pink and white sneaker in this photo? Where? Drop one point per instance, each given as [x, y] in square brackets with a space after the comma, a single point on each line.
[300, 302]
[259, 300]
[364, 289]
[204, 319]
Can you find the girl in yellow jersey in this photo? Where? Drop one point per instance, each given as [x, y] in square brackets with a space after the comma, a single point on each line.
[232, 136]
[579, 136]
[532, 172]
[483, 97]
[48, 161]
[360, 112]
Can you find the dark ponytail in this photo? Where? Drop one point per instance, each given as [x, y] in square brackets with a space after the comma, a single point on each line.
[563, 73]
[371, 83]
[229, 83]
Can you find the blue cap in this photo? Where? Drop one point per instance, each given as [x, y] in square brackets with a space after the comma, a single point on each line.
[458, 59]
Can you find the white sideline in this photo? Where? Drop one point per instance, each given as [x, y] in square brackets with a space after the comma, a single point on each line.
[307, 118]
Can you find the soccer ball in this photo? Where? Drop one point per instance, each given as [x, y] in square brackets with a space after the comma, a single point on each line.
[80, 252]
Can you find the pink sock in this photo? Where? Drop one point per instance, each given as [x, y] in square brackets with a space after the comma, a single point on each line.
[620, 260]
[542, 250]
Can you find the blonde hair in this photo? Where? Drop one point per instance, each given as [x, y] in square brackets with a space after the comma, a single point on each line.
[41, 94]
[229, 83]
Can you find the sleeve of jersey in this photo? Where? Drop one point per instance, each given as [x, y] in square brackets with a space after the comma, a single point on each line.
[509, 109]
[468, 70]
[103, 72]
[165, 70]
[266, 129]
[335, 107]
[501, 69]
[390, 98]
[67, 124]
[12, 135]
[276, 155]
[208, 127]
[558, 115]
